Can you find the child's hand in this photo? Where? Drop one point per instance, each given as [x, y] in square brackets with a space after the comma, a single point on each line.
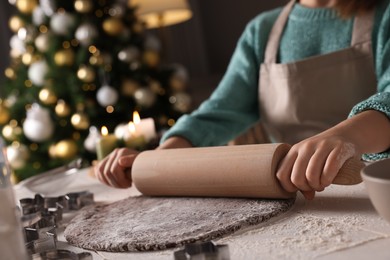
[312, 164]
[115, 169]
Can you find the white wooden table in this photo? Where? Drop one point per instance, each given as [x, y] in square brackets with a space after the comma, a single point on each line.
[340, 223]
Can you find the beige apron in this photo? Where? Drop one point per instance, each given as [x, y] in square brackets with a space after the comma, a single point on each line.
[300, 99]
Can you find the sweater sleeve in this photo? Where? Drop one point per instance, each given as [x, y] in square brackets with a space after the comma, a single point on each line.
[381, 100]
[233, 106]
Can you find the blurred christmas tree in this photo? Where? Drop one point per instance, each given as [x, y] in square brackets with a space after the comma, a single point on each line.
[78, 64]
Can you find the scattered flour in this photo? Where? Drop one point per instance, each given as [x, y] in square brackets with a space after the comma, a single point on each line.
[303, 237]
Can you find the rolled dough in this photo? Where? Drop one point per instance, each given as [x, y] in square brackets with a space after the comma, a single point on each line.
[156, 223]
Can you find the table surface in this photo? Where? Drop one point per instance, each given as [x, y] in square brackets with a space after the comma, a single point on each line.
[340, 223]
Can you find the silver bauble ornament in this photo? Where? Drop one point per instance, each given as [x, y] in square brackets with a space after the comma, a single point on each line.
[38, 126]
[61, 23]
[38, 16]
[86, 33]
[48, 7]
[145, 97]
[17, 45]
[37, 72]
[107, 96]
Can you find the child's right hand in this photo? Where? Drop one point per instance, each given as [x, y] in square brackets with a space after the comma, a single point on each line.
[115, 169]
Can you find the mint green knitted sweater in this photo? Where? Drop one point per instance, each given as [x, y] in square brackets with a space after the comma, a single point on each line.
[233, 107]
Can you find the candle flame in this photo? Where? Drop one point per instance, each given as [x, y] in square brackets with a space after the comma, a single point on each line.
[104, 131]
[131, 127]
[136, 118]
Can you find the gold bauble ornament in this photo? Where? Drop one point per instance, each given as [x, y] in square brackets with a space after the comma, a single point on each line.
[11, 133]
[10, 73]
[129, 87]
[47, 96]
[83, 6]
[64, 57]
[151, 58]
[26, 6]
[113, 26]
[4, 113]
[15, 23]
[62, 109]
[28, 58]
[86, 74]
[66, 149]
[80, 121]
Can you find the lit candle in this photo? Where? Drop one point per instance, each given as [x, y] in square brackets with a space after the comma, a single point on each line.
[133, 139]
[144, 127]
[106, 144]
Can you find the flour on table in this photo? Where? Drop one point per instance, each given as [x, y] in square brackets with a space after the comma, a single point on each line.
[312, 236]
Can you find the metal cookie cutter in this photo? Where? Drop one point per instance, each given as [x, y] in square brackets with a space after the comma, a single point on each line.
[203, 251]
[61, 254]
[40, 217]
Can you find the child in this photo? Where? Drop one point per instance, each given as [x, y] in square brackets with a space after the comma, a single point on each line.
[299, 71]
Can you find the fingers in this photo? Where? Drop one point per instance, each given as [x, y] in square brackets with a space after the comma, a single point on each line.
[313, 164]
[112, 173]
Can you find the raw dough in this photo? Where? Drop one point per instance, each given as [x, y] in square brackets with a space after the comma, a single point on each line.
[145, 223]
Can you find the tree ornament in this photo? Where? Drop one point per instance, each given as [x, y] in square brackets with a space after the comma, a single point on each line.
[4, 113]
[15, 23]
[177, 84]
[151, 58]
[145, 97]
[48, 7]
[17, 155]
[66, 149]
[38, 126]
[27, 34]
[92, 139]
[181, 102]
[11, 133]
[156, 87]
[86, 74]
[61, 23]
[26, 6]
[83, 6]
[117, 10]
[129, 54]
[47, 96]
[129, 87]
[37, 72]
[10, 73]
[64, 57]
[86, 33]
[18, 47]
[38, 16]
[27, 58]
[62, 109]
[113, 26]
[80, 121]
[107, 96]
[42, 42]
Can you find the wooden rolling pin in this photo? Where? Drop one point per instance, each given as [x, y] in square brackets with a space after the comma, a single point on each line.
[227, 171]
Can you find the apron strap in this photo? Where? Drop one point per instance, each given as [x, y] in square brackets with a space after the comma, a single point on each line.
[362, 31]
[362, 28]
[272, 48]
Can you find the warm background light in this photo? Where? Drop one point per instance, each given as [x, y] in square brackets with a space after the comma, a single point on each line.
[158, 13]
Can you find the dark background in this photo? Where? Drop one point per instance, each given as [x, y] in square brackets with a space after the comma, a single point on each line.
[203, 44]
